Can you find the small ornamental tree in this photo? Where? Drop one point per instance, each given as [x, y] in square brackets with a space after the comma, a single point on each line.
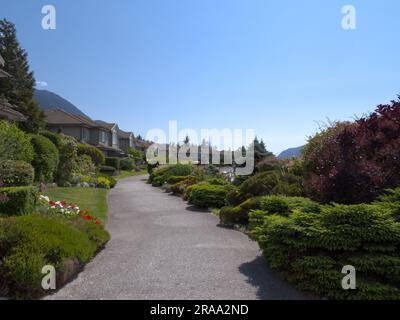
[355, 162]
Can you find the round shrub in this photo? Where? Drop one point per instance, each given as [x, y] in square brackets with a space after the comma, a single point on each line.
[46, 158]
[94, 153]
[107, 170]
[260, 184]
[17, 200]
[68, 160]
[205, 195]
[111, 180]
[240, 213]
[15, 144]
[113, 162]
[127, 164]
[103, 183]
[16, 173]
[53, 137]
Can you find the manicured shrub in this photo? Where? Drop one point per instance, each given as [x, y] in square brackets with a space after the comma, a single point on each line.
[260, 184]
[161, 175]
[15, 144]
[17, 200]
[127, 164]
[15, 173]
[30, 242]
[312, 248]
[205, 195]
[83, 167]
[46, 158]
[111, 180]
[216, 181]
[113, 162]
[355, 163]
[103, 183]
[53, 137]
[284, 206]
[179, 188]
[94, 153]
[107, 170]
[240, 213]
[136, 155]
[68, 160]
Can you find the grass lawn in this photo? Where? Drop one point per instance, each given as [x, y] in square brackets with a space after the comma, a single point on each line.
[125, 174]
[94, 200]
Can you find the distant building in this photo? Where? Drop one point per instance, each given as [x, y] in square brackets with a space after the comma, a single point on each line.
[7, 111]
[105, 136]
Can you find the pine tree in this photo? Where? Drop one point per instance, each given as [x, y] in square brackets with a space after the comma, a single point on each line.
[19, 88]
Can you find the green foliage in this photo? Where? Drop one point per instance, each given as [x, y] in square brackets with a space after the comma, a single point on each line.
[112, 182]
[113, 162]
[205, 195]
[161, 175]
[107, 170]
[46, 158]
[136, 154]
[240, 213]
[179, 188]
[127, 164]
[94, 153]
[15, 173]
[30, 242]
[15, 144]
[68, 159]
[19, 88]
[53, 137]
[284, 206]
[84, 167]
[103, 183]
[271, 182]
[17, 200]
[312, 248]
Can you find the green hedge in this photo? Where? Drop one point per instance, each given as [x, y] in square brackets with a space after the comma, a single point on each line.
[94, 153]
[17, 200]
[127, 164]
[107, 170]
[312, 248]
[240, 213]
[14, 143]
[111, 181]
[30, 242]
[179, 188]
[205, 195]
[46, 158]
[113, 162]
[161, 175]
[15, 173]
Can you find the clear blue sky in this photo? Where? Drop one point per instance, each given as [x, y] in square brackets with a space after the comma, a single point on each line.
[274, 66]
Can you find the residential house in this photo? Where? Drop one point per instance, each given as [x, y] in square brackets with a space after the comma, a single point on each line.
[96, 133]
[126, 140]
[7, 111]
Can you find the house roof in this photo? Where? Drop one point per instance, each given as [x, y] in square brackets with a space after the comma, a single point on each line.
[106, 125]
[7, 111]
[58, 116]
[124, 135]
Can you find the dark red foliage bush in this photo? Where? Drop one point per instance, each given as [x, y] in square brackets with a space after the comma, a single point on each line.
[355, 162]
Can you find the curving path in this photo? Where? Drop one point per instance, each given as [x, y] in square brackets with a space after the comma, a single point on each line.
[161, 248]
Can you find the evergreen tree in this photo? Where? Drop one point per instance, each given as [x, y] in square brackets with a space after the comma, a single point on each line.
[19, 88]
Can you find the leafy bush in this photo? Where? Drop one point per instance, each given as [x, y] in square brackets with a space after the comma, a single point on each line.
[15, 144]
[205, 195]
[53, 137]
[181, 186]
[111, 181]
[127, 164]
[355, 163]
[161, 175]
[68, 160]
[284, 206]
[240, 213]
[136, 154]
[30, 242]
[107, 170]
[312, 248]
[94, 153]
[15, 173]
[103, 183]
[84, 167]
[113, 162]
[17, 200]
[46, 158]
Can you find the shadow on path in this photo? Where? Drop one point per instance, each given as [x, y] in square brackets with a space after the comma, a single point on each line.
[269, 283]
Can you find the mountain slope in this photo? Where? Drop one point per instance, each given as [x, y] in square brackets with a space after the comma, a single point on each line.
[49, 100]
[290, 153]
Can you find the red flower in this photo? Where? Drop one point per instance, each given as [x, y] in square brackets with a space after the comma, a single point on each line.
[52, 203]
[98, 222]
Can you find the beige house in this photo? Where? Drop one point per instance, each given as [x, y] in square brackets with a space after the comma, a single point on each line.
[105, 136]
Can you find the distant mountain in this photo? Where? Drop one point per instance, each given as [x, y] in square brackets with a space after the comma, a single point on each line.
[290, 153]
[49, 100]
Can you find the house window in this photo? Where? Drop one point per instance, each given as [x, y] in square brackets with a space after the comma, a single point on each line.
[102, 137]
[114, 138]
[85, 134]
